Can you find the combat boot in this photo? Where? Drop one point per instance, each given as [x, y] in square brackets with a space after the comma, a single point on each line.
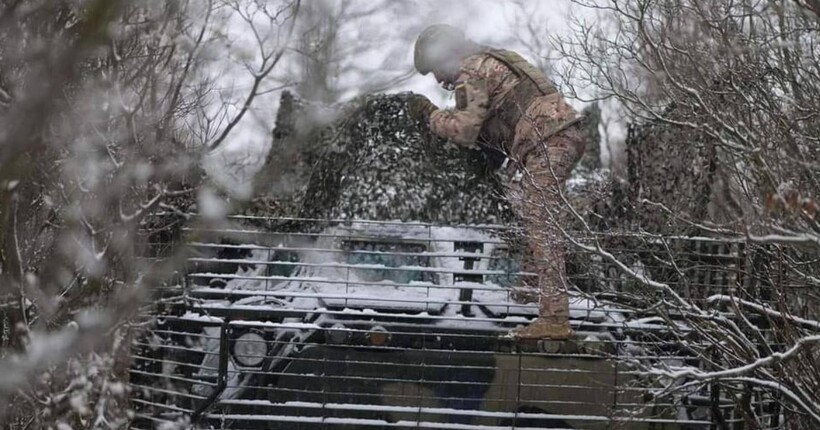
[544, 328]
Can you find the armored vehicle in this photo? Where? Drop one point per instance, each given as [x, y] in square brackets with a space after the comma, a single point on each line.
[386, 303]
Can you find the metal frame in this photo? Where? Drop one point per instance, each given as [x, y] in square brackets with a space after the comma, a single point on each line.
[464, 321]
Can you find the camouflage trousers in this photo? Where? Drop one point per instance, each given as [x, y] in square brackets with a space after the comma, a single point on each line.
[546, 153]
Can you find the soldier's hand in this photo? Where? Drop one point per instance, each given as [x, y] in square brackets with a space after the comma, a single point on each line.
[420, 107]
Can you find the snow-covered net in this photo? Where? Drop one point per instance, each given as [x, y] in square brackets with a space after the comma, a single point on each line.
[382, 164]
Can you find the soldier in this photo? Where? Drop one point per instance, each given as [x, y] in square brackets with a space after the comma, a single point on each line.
[509, 110]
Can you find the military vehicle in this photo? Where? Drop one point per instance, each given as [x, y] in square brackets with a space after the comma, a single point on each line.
[386, 303]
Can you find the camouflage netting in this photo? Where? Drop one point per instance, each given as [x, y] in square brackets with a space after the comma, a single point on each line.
[673, 167]
[362, 160]
[378, 163]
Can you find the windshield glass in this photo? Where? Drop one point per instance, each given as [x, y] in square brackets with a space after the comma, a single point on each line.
[503, 261]
[283, 263]
[399, 261]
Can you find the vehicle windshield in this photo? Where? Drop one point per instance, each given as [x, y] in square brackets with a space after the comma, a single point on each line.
[503, 261]
[283, 263]
[399, 261]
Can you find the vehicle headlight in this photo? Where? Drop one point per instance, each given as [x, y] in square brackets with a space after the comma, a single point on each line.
[250, 349]
[338, 334]
[378, 336]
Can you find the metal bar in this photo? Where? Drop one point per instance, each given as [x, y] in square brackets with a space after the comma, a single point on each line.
[222, 376]
[428, 321]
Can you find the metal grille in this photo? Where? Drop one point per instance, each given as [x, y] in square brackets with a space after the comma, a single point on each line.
[306, 324]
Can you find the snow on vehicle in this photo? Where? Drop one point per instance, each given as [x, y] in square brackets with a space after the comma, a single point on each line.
[383, 325]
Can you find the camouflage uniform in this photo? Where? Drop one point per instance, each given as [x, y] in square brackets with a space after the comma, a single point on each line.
[529, 132]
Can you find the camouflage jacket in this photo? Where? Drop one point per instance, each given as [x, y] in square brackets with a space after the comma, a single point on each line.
[483, 81]
[487, 94]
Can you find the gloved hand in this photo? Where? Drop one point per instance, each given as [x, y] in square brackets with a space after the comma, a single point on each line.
[420, 107]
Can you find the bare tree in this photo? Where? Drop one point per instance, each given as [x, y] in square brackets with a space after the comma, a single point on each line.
[346, 48]
[95, 110]
[271, 27]
[530, 30]
[724, 98]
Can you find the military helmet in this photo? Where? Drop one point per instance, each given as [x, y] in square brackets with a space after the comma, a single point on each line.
[437, 43]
